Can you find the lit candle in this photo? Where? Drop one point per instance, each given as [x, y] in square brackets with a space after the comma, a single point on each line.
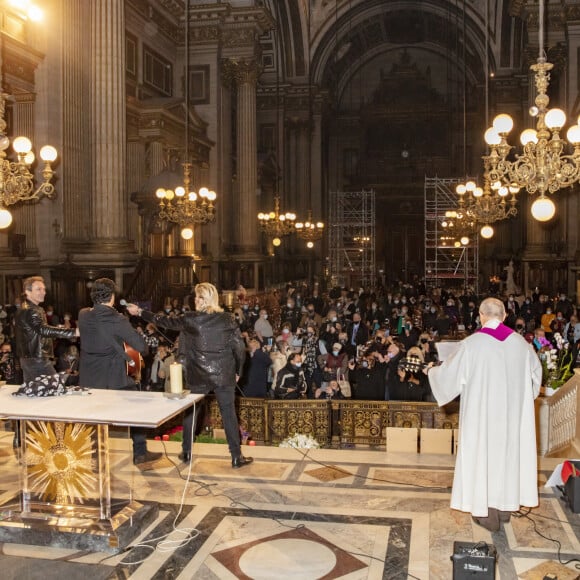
[176, 377]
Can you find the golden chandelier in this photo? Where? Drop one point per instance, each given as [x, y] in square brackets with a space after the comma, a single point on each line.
[16, 178]
[184, 206]
[544, 166]
[275, 224]
[309, 230]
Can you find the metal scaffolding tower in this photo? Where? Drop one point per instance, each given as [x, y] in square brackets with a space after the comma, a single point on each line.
[446, 264]
[351, 233]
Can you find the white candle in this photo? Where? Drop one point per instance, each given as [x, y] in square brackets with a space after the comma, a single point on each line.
[176, 377]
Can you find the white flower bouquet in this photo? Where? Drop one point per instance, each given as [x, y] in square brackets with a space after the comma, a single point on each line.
[299, 441]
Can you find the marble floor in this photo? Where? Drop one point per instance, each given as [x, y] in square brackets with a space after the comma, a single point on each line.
[323, 514]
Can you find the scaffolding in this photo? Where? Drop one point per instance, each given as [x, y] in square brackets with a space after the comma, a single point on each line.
[445, 264]
[351, 238]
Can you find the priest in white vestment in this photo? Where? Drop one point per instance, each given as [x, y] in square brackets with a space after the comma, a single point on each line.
[498, 375]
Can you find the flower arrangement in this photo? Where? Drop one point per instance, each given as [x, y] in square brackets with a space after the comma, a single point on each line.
[556, 362]
[299, 441]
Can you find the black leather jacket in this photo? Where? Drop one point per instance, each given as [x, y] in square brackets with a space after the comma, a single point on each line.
[211, 348]
[34, 335]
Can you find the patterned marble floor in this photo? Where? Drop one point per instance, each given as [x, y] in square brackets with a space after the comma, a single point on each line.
[351, 515]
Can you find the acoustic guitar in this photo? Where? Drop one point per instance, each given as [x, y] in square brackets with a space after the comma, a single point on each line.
[135, 365]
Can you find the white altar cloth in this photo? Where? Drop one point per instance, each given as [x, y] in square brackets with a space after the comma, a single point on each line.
[101, 406]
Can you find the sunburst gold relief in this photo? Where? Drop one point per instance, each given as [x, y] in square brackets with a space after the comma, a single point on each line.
[59, 461]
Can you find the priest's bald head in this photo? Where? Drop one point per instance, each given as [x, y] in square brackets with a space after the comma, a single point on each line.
[491, 308]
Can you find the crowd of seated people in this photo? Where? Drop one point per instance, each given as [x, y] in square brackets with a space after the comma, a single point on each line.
[305, 341]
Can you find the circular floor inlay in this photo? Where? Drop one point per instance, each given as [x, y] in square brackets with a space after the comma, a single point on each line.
[300, 559]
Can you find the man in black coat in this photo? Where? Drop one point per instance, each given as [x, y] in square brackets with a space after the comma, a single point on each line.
[103, 362]
[212, 350]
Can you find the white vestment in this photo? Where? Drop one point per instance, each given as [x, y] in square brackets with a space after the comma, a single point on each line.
[496, 463]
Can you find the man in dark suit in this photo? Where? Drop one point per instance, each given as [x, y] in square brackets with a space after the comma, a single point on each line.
[103, 362]
[358, 334]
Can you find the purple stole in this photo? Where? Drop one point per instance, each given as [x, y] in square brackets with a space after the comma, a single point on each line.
[500, 333]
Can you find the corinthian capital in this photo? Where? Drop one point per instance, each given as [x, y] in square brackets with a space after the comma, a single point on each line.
[240, 72]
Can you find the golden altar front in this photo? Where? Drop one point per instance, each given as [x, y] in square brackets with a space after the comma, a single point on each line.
[64, 470]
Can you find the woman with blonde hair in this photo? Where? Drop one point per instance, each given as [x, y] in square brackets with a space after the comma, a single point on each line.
[212, 351]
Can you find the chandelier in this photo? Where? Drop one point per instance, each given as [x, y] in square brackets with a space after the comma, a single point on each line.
[16, 178]
[492, 203]
[276, 225]
[184, 206]
[310, 231]
[544, 166]
[458, 227]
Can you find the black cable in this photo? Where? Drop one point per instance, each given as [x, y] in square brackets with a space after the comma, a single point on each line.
[522, 514]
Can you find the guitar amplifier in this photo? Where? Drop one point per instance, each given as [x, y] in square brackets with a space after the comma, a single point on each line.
[473, 561]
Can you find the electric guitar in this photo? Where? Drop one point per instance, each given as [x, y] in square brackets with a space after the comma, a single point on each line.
[135, 365]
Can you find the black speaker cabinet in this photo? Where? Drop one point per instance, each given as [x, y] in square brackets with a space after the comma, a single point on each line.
[572, 487]
[473, 561]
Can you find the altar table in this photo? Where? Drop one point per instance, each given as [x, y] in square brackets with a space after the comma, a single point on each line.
[65, 480]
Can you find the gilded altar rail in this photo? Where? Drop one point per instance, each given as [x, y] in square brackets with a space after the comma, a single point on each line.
[334, 423]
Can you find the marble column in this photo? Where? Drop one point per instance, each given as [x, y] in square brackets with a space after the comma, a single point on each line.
[76, 135]
[109, 201]
[246, 234]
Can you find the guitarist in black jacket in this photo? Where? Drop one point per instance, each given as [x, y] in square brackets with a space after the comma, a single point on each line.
[103, 363]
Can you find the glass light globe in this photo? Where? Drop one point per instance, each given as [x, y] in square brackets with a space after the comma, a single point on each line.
[503, 191]
[299, 225]
[503, 123]
[4, 142]
[5, 218]
[282, 218]
[187, 233]
[276, 242]
[271, 215]
[528, 136]
[22, 145]
[543, 209]
[29, 158]
[192, 196]
[573, 134]
[310, 245]
[260, 216]
[48, 153]
[203, 191]
[457, 244]
[169, 194]
[180, 191]
[491, 137]
[160, 193]
[470, 186]
[320, 225]
[486, 232]
[212, 195]
[35, 14]
[460, 189]
[514, 188]
[555, 119]
[496, 185]
[464, 241]
[477, 192]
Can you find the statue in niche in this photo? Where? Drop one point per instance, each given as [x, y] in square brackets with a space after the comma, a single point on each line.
[510, 285]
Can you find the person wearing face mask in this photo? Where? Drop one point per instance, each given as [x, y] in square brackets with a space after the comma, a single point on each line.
[368, 377]
[310, 316]
[452, 312]
[470, 317]
[290, 314]
[558, 324]
[527, 313]
[395, 353]
[357, 334]
[290, 380]
[263, 329]
[564, 306]
[546, 322]
[333, 363]
[429, 317]
[572, 330]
